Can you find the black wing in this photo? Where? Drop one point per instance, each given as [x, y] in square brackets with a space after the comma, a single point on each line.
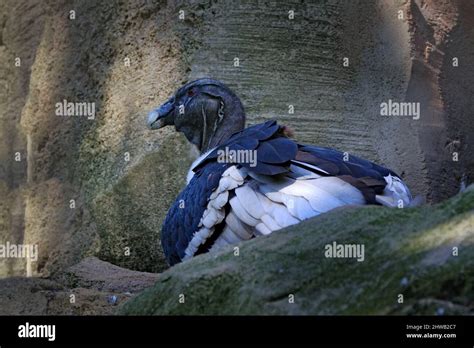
[185, 214]
[275, 153]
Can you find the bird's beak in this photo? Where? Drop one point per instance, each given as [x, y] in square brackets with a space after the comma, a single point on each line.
[163, 116]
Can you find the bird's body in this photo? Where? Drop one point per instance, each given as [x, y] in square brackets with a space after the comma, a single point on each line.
[258, 181]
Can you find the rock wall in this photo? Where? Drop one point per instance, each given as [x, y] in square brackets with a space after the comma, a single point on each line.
[102, 187]
[85, 186]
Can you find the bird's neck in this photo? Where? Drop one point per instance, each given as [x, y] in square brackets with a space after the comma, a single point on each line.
[233, 120]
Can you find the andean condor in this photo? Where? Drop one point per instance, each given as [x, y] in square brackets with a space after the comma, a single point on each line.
[253, 181]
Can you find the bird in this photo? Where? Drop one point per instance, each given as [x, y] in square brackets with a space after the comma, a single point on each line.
[249, 182]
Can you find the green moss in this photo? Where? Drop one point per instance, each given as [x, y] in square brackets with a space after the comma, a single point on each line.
[407, 251]
[129, 200]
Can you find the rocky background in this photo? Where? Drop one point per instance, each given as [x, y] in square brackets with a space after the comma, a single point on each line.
[99, 189]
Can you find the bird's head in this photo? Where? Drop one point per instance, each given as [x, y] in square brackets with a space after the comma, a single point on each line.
[205, 111]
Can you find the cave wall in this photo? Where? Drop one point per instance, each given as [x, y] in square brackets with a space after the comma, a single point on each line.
[122, 178]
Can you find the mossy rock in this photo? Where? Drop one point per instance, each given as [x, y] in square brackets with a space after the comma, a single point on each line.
[425, 254]
[130, 213]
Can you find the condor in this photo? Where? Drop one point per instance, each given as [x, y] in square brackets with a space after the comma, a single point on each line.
[229, 202]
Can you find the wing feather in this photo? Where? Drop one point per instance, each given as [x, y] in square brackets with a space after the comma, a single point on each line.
[241, 213]
[239, 227]
[249, 201]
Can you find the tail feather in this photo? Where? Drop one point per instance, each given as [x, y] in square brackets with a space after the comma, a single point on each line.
[395, 193]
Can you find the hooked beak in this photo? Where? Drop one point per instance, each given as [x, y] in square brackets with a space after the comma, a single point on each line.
[163, 116]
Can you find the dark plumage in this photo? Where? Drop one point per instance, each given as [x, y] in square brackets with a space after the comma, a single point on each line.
[230, 200]
[186, 212]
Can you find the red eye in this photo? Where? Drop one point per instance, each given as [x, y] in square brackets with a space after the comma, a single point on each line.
[190, 93]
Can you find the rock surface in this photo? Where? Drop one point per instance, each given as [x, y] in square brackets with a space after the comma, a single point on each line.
[92, 287]
[425, 254]
[276, 64]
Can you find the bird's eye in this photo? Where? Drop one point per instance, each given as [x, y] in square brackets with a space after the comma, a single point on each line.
[190, 92]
